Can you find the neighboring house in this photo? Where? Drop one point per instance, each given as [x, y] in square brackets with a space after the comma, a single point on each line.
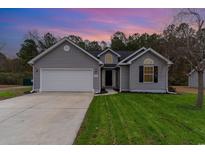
[193, 79]
[67, 67]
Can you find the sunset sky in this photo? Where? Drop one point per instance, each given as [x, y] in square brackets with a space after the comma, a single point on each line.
[92, 24]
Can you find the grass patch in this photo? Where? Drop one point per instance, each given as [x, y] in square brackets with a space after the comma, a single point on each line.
[13, 92]
[129, 118]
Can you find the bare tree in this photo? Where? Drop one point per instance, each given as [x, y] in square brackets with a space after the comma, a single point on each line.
[32, 35]
[194, 48]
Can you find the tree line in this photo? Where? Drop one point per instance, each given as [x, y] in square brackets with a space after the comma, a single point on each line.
[165, 43]
[183, 43]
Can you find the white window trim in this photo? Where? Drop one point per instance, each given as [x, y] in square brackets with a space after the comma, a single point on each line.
[148, 73]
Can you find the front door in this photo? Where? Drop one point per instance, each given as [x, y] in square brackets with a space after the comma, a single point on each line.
[108, 78]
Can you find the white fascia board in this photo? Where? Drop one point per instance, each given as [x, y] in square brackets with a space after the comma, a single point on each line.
[153, 51]
[132, 55]
[57, 44]
[46, 51]
[123, 64]
[107, 51]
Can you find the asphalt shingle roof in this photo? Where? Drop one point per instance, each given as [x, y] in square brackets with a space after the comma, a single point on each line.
[137, 53]
[123, 54]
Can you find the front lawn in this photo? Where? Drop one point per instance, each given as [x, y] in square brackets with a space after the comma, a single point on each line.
[13, 92]
[128, 118]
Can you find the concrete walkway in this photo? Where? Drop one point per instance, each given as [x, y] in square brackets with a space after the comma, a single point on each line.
[109, 92]
[42, 118]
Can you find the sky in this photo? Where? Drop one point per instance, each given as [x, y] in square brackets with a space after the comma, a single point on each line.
[92, 24]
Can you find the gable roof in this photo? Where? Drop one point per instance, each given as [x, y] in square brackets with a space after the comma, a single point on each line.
[57, 44]
[140, 53]
[126, 57]
[154, 52]
[132, 55]
[192, 71]
[122, 53]
[107, 51]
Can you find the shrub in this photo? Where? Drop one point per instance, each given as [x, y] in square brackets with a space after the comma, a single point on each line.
[14, 78]
[172, 89]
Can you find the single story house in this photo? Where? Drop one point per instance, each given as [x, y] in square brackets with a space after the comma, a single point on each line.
[67, 67]
[193, 79]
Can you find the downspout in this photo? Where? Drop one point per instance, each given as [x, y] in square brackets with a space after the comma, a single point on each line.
[32, 91]
[167, 81]
[100, 77]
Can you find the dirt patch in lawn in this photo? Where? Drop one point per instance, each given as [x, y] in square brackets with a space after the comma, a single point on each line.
[185, 89]
[8, 86]
[11, 87]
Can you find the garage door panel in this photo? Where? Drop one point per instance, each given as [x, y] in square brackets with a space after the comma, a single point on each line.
[66, 80]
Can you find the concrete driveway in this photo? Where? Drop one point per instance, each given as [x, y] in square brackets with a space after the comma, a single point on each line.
[43, 118]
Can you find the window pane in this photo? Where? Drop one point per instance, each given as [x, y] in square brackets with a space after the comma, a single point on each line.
[108, 59]
[148, 78]
[148, 74]
[148, 70]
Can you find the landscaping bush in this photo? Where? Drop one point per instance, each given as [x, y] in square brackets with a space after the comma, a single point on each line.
[103, 90]
[172, 89]
[14, 78]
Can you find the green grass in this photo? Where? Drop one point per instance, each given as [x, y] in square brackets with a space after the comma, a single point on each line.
[128, 118]
[13, 92]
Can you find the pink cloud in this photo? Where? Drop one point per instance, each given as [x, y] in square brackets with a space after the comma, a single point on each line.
[90, 33]
[113, 20]
[131, 29]
[140, 12]
[155, 17]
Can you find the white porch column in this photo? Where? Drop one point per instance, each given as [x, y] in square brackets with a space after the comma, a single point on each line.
[103, 78]
[113, 78]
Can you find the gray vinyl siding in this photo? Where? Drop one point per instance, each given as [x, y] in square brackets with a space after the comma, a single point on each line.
[193, 80]
[124, 75]
[74, 58]
[160, 86]
[115, 58]
[103, 78]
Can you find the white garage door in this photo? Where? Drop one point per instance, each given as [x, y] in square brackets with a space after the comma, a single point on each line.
[66, 80]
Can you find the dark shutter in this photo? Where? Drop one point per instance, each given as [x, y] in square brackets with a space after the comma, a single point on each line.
[155, 73]
[141, 70]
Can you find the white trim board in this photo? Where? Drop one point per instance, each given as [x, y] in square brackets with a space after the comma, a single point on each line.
[121, 62]
[57, 44]
[67, 69]
[107, 51]
[147, 50]
[153, 51]
[120, 79]
[124, 90]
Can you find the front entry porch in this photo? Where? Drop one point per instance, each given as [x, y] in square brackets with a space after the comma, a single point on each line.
[110, 78]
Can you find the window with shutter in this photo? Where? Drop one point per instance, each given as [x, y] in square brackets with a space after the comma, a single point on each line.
[156, 74]
[148, 71]
[141, 73]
